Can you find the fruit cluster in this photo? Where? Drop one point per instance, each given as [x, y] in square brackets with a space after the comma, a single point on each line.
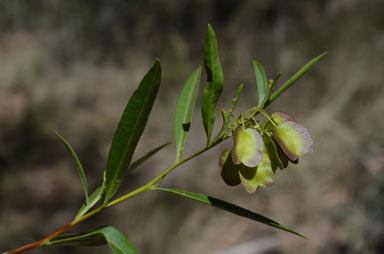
[258, 150]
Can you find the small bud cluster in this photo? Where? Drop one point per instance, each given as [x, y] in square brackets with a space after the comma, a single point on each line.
[258, 150]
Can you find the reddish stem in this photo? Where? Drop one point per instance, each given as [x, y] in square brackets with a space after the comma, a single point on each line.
[40, 242]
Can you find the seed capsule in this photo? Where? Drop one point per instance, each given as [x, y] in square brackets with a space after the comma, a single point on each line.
[292, 137]
[280, 117]
[261, 175]
[229, 171]
[247, 147]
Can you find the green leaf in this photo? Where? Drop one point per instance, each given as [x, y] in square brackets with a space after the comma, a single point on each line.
[273, 153]
[293, 79]
[272, 83]
[261, 81]
[93, 199]
[80, 168]
[227, 118]
[116, 240]
[73, 239]
[235, 100]
[229, 208]
[130, 129]
[214, 85]
[146, 156]
[280, 153]
[184, 111]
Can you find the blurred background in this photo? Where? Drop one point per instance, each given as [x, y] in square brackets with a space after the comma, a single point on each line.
[70, 66]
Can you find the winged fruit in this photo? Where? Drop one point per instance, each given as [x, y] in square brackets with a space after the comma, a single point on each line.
[261, 175]
[251, 177]
[247, 147]
[293, 138]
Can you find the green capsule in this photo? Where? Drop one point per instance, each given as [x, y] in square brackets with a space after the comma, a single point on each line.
[247, 147]
[261, 175]
[277, 159]
[229, 171]
[293, 138]
[280, 117]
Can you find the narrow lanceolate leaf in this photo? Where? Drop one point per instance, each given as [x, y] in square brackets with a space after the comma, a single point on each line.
[276, 161]
[184, 111]
[73, 239]
[261, 81]
[271, 86]
[80, 168]
[130, 128]
[235, 100]
[227, 117]
[215, 81]
[116, 240]
[93, 199]
[229, 207]
[145, 157]
[293, 79]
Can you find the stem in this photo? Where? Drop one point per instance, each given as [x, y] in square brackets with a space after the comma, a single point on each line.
[131, 194]
[157, 179]
[223, 126]
[40, 242]
[265, 114]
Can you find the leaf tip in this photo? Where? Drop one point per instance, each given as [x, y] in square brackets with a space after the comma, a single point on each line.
[322, 55]
[210, 30]
[157, 63]
[58, 135]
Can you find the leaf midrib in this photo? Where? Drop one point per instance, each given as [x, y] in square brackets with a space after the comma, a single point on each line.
[114, 178]
[190, 101]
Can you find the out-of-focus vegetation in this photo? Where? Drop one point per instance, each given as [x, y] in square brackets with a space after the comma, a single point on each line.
[71, 66]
